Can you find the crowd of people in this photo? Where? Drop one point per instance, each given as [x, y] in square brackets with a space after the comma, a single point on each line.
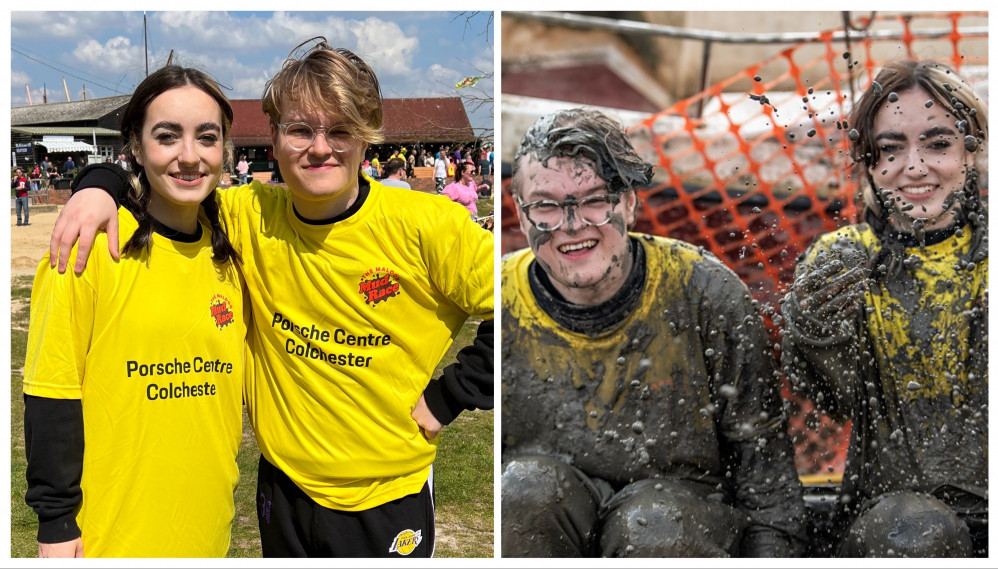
[443, 160]
[44, 175]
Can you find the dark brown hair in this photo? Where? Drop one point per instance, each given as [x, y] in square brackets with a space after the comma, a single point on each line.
[133, 119]
[970, 116]
[459, 169]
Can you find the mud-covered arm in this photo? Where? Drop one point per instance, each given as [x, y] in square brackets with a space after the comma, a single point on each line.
[821, 321]
[53, 437]
[469, 382]
[751, 422]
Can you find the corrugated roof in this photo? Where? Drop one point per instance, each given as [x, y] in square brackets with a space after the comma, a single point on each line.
[48, 113]
[439, 119]
[66, 130]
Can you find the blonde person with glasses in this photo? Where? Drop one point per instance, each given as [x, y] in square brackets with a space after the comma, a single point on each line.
[357, 291]
[641, 416]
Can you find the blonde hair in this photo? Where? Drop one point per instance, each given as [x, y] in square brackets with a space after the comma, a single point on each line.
[335, 81]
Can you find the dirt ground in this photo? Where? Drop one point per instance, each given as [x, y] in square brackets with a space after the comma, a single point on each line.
[29, 243]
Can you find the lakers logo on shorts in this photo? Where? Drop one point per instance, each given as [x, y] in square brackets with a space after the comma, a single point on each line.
[406, 541]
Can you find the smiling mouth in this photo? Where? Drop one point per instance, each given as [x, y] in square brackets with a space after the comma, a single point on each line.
[188, 177]
[917, 190]
[573, 247]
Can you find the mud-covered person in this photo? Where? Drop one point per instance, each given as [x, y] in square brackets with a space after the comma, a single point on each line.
[887, 321]
[641, 414]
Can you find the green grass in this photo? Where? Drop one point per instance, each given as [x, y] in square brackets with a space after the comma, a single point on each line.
[463, 469]
[463, 474]
[23, 523]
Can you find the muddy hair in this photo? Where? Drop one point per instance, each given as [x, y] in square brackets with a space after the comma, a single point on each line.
[132, 121]
[589, 134]
[969, 114]
[335, 81]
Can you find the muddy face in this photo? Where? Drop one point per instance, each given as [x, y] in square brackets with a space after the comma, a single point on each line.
[923, 161]
[586, 263]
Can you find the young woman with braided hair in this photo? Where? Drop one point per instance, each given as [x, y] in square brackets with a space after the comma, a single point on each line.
[133, 376]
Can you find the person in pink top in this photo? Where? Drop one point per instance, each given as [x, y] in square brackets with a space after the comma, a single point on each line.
[463, 189]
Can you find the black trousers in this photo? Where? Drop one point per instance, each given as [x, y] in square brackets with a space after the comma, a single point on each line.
[293, 525]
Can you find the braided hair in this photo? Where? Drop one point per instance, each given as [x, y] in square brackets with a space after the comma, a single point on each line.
[138, 196]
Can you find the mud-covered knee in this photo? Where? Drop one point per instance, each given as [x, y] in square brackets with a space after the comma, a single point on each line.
[538, 481]
[669, 523]
[907, 524]
[548, 509]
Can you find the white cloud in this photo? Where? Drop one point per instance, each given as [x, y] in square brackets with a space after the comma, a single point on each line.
[385, 47]
[116, 55]
[64, 24]
[434, 81]
[218, 41]
[19, 78]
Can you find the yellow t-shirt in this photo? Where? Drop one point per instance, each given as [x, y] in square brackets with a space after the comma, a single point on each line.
[912, 377]
[154, 346]
[350, 320]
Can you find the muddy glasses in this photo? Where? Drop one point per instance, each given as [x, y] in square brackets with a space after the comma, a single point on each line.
[300, 135]
[548, 215]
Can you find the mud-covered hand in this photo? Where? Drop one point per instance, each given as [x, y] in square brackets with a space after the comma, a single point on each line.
[425, 419]
[827, 293]
[65, 549]
[88, 211]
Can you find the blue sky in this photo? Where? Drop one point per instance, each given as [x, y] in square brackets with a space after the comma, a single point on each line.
[415, 54]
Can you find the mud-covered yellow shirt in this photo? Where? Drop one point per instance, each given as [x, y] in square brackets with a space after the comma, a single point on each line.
[350, 320]
[683, 387]
[911, 371]
[154, 347]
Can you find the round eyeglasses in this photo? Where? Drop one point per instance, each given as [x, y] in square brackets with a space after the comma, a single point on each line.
[548, 215]
[300, 135]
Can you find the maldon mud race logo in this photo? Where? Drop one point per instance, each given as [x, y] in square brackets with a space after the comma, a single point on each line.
[379, 284]
[221, 311]
[406, 542]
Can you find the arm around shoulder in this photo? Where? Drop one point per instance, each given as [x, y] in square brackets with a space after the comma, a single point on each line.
[98, 191]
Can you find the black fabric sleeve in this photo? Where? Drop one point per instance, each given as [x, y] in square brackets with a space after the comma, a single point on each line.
[468, 383]
[53, 443]
[110, 177]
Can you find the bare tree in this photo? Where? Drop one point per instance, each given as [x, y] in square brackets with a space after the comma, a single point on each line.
[476, 98]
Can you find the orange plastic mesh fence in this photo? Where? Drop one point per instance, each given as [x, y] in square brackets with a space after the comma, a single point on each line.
[765, 168]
